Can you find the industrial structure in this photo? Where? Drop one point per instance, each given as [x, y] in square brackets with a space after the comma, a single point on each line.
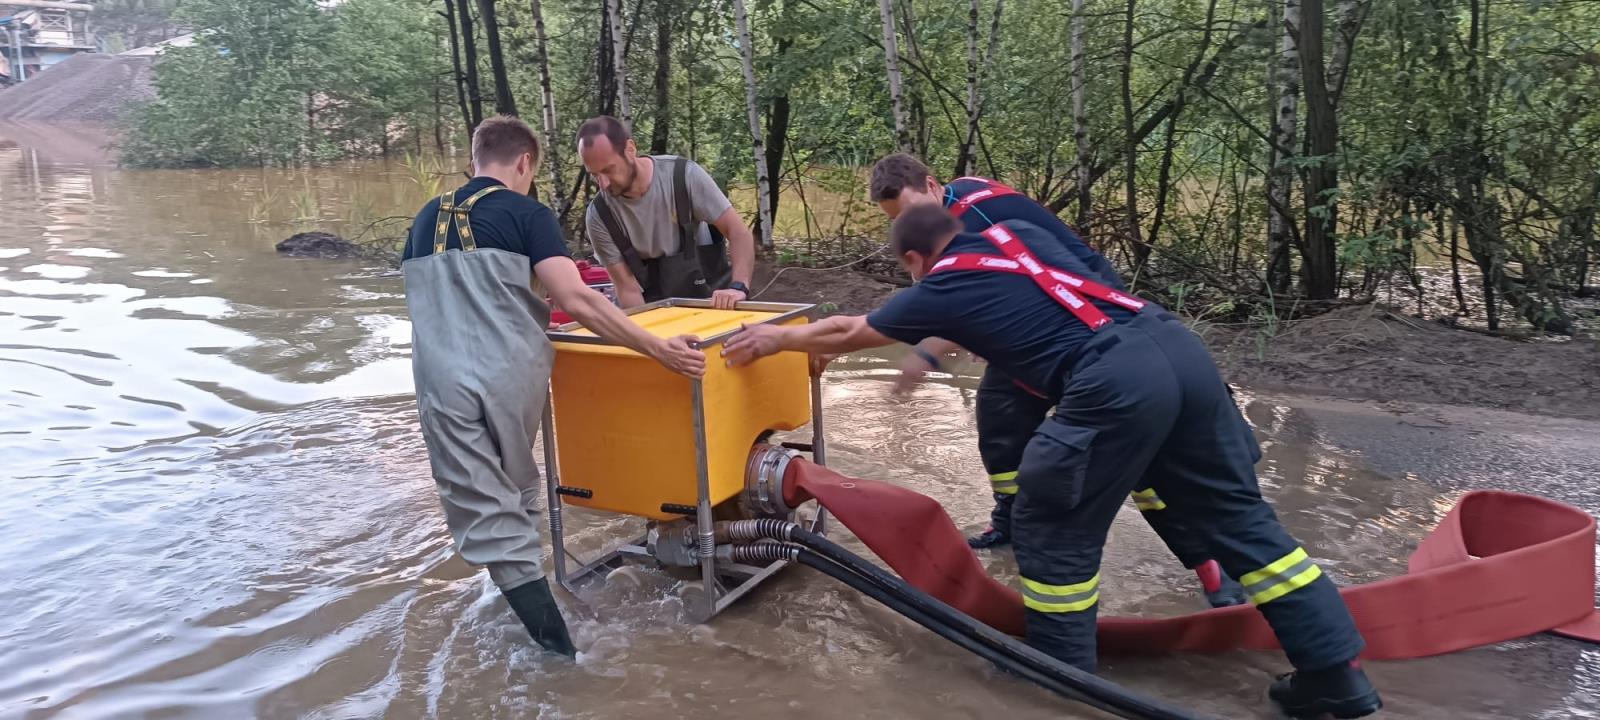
[36, 34]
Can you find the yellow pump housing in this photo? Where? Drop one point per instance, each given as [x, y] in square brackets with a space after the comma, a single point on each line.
[625, 430]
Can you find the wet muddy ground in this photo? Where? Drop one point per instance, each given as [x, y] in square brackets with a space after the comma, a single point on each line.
[216, 503]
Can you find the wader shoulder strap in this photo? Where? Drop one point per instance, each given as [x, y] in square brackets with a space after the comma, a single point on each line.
[683, 209]
[1058, 284]
[447, 208]
[619, 237]
[441, 228]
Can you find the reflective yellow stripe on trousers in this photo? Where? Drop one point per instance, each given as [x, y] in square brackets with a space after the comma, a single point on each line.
[1147, 500]
[1061, 598]
[1004, 483]
[1285, 575]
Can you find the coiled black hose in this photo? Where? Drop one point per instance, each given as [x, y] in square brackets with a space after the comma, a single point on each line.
[1084, 686]
[795, 553]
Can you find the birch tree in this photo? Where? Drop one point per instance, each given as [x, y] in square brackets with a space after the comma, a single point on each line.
[1280, 225]
[1080, 119]
[747, 55]
[891, 52]
[547, 95]
[618, 64]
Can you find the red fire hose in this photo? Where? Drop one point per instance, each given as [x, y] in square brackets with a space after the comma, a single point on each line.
[1498, 567]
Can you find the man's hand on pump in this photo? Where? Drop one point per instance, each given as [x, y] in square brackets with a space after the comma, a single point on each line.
[752, 343]
[680, 354]
[727, 298]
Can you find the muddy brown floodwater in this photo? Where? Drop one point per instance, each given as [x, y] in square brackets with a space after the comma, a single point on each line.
[215, 503]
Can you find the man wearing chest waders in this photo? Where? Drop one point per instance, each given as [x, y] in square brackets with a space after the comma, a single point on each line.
[660, 225]
[481, 359]
[1007, 411]
[1138, 403]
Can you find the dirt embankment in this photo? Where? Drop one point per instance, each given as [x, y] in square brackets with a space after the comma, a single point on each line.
[839, 291]
[1374, 353]
[1362, 353]
[88, 88]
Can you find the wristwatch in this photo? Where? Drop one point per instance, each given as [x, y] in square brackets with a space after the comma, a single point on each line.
[741, 287]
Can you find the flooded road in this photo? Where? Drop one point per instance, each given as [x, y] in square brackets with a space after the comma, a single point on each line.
[215, 502]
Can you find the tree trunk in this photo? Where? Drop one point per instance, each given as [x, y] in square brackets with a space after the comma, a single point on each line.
[1164, 175]
[1455, 257]
[660, 130]
[1080, 120]
[747, 56]
[967, 159]
[921, 132]
[690, 47]
[891, 52]
[1141, 252]
[777, 143]
[1280, 176]
[972, 89]
[1351, 14]
[605, 71]
[504, 104]
[455, 61]
[561, 201]
[618, 65]
[1322, 176]
[438, 117]
[469, 58]
[778, 119]
[1202, 79]
[438, 98]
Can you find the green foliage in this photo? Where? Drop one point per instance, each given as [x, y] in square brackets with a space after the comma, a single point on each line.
[1501, 138]
[275, 82]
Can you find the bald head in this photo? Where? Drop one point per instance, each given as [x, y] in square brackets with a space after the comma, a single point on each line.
[609, 155]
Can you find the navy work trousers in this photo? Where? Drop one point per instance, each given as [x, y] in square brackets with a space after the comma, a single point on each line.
[1144, 407]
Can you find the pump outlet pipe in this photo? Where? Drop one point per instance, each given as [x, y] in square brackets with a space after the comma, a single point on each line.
[828, 557]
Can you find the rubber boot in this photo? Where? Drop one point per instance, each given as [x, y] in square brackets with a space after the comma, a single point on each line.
[1342, 691]
[989, 538]
[536, 608]
[1221, 590]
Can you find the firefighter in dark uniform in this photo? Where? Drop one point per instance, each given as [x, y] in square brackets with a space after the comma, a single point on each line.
[1139, 403]
[1008, 412]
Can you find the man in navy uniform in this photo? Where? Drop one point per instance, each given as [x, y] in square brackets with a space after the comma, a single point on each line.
[1139, 403]
[1008, 411]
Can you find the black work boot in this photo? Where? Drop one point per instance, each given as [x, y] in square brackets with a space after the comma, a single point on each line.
[989, 538]
[1342, 691]
[536, 608]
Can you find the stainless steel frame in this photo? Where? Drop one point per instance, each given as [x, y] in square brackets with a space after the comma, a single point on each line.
[743, 578]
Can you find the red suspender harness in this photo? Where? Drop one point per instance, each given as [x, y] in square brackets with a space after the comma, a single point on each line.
[1060, 285]
[993, 190]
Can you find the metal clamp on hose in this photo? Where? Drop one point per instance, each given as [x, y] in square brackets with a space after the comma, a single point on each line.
[763, 478]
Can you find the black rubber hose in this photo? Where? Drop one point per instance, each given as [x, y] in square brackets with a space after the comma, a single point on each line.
[866, 587]
[1086, 684]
